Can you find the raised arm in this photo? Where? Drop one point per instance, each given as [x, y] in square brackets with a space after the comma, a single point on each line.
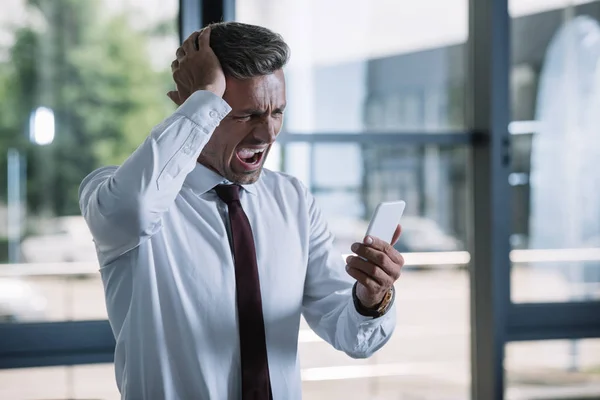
[123, 205]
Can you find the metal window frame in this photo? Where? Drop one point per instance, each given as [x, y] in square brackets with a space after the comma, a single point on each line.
[383, 138]
[195, 14]
[552, 321]
[495, 321]
[55, 343]
[488, 69]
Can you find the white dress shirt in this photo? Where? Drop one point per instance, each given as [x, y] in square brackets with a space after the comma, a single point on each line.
[162, 241]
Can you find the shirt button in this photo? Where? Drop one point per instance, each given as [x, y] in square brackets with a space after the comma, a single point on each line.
[212, 114]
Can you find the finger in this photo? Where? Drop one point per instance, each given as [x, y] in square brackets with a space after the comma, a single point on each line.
[379, 258]
[396, 236]
[363, 278]
[180, 53]
[400, 260]
[204, 38]
[174, 66]
[381, 245]
[373, 271]
[191, 43]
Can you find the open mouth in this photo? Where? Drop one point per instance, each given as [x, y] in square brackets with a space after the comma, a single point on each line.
[250, 159]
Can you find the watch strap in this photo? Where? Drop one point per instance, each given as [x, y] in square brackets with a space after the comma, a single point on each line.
[378, 310]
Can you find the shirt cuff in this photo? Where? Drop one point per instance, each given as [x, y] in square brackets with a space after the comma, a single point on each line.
[205, 109]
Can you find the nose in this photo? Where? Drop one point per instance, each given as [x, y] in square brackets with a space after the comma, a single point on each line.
[268, 129]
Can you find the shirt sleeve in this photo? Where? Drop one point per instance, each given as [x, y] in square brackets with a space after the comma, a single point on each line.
[328, 306]
[123, 205]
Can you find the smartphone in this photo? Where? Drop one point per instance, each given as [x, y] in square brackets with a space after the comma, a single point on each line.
[385, 220]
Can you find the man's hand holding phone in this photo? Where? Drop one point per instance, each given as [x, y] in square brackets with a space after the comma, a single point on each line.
[377, 270]
[378, 264]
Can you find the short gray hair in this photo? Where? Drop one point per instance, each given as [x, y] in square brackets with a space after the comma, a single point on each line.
[246, 51]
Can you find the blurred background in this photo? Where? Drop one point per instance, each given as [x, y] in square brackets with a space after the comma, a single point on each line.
[378, 109]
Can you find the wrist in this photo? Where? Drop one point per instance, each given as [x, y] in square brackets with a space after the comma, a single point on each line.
[216, 89]
[372, 303]
[379, 308]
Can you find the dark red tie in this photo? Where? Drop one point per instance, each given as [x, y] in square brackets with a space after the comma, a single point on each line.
[255, 368]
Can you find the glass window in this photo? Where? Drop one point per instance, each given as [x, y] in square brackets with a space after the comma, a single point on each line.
[81, 85]
[80, 382]
[557, 369]
[555, 181]
[361, 66]
[431, 179]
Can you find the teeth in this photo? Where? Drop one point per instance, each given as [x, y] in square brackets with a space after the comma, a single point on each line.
[247, 153]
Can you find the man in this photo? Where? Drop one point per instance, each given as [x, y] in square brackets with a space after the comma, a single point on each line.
[208, 261]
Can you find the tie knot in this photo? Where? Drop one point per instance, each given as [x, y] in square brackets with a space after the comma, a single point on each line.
[228, 193]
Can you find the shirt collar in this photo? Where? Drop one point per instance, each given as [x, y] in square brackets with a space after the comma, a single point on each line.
[202, 180]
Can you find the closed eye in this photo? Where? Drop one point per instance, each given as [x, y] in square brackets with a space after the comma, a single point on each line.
[253, 115]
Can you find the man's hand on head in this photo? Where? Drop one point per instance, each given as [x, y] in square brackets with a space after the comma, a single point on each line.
[377, 274]
[196, 68]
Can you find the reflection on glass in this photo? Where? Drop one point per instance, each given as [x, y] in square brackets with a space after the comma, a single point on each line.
[349, 180]
[361, 66]
[553, 369]
[555, 179]
[81, 85]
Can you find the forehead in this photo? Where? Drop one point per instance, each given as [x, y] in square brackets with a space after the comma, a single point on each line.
[258, 92]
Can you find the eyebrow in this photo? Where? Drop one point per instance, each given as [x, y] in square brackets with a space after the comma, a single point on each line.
[255, 111]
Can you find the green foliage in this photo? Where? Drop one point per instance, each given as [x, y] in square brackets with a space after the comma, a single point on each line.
[94, 71]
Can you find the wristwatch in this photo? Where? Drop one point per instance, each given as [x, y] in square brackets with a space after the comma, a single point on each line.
[378, 310]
